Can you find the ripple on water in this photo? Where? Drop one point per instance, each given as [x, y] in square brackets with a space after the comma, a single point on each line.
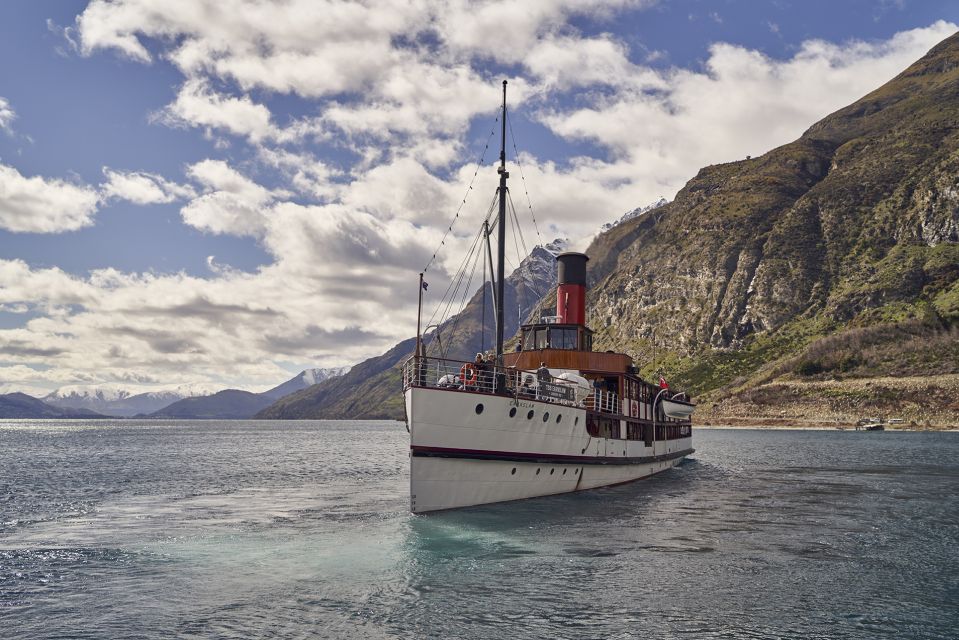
[264, 529]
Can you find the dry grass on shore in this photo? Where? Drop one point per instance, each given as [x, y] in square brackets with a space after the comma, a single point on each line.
[922, 403]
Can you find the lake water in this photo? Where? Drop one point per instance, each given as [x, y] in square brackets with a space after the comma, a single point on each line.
[301, 530]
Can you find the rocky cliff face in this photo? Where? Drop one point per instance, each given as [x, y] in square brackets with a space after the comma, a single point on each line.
[855, 223]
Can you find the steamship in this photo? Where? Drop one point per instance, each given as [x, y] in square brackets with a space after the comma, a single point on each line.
[553, 417]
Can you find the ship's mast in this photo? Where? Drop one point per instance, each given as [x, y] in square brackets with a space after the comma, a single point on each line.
[501, 239]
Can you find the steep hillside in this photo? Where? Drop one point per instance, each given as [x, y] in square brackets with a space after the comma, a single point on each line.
[304, 379]
[855, 225]
[372, 389]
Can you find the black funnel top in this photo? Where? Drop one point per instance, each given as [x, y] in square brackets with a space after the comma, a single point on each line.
[572, 268]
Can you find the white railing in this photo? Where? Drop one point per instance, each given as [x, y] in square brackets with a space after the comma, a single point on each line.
[439, 373]
[604, 401]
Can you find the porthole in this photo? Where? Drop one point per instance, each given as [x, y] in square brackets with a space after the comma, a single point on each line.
[479, 408]
[552, 471]
[564, 472]
[576, 472]
[512, 412]
[537, 471]
[546, 416]
[584, 450]
[559, 417]
[513, 472]
[529, 416]
[576, 421]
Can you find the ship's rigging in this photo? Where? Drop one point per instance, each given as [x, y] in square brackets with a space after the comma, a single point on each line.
[501, 210]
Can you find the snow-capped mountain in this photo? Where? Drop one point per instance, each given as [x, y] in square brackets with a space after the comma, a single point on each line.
[116, 400]
[635, 213]
[304, 379]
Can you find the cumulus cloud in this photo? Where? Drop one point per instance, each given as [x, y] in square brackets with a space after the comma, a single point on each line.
[232, 203]
[43, 205]
[197, 105]
[7, 116]
[140, 187]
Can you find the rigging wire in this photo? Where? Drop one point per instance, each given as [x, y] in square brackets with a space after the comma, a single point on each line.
[455, 284]
[509, 122]
[459, 271]
[479, 164]
[466, 293]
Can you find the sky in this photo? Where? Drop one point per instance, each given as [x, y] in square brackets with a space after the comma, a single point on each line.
[222, 193]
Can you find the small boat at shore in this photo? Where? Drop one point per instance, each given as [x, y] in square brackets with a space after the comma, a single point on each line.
[553, 417]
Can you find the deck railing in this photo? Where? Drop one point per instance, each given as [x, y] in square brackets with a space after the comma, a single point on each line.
[440, 373]
[604, 401]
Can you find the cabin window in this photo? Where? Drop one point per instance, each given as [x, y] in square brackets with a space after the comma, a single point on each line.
[563, 338]
[529, 340]
[602, 427]
[592, 425]
[634, 431]
[542, 338]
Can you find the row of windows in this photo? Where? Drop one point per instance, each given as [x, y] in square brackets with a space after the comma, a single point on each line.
[555, 338]
[602, 427]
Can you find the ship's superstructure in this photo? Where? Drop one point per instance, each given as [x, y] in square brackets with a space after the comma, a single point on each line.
[554, 416]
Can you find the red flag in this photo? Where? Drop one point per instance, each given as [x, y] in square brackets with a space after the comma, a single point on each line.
[662, 383]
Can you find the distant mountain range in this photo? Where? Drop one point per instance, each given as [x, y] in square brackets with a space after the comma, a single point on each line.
[304, 379]
[114, 400]
[230, 404]
[183, 402]
[20, 405]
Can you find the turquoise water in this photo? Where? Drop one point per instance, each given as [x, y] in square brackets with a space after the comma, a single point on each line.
[300, 530]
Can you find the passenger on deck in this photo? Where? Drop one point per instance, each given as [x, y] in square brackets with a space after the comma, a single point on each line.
[543, 374]
[484, 373]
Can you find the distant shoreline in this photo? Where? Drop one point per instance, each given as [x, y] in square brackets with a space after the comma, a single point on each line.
[772, 424]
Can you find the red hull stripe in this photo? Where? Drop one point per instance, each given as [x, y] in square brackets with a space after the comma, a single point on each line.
[543, 458]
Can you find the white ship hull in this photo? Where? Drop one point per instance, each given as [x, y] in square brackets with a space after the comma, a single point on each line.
[462, 455]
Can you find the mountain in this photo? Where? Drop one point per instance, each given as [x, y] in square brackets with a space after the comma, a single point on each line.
[20, 405]
[833, 257]
[634, 213]
[306, 378]
[230, 404]
[372, 389]
[819, 280]
[115, 400]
